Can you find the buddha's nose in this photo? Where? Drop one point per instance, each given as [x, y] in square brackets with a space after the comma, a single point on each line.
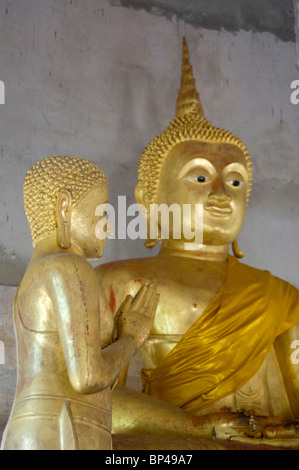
[218, 191]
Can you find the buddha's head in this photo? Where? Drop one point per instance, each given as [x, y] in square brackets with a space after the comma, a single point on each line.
[61, 195]
[193, 162]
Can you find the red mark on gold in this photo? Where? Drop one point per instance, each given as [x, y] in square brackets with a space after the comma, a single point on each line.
[112, 300]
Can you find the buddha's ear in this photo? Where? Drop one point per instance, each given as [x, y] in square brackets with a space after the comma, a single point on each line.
[139, 194]
[140, 199]
[63, 217]
[64, 203]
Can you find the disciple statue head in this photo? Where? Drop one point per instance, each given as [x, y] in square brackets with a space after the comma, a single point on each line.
[196, 163]
[61, 194]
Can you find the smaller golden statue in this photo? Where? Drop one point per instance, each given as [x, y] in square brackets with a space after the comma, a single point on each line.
[70, 351]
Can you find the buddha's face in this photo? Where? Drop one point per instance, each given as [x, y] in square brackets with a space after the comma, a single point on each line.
[214, 175]
[84, 221]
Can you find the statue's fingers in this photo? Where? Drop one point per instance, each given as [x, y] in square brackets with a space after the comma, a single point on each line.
[139, 299]
[149, 300]
[153, 304]
[146, 299]
[125, 306]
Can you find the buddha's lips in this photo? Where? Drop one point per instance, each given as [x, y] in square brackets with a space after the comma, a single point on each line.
[219, 210]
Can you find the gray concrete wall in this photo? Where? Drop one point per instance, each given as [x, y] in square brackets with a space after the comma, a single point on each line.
[8, 366]
[296, 2]
[99, 79]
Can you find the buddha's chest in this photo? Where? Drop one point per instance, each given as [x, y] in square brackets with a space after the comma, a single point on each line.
[183, 299]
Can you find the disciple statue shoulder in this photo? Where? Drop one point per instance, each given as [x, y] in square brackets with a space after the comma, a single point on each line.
[68, 353]
[220, 347]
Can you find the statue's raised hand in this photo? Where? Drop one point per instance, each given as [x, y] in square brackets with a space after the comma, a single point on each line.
[136, 314]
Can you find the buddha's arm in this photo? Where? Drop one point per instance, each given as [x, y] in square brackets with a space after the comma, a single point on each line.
[285, 348]
[139, 414]
[75, 298]
[136, 413]
[142, 415]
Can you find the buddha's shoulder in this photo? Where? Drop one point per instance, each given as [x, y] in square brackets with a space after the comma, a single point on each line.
[43, 269]
[66, 263]
[259, 276]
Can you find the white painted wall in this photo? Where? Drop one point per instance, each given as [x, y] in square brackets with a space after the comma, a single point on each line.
[98, 81]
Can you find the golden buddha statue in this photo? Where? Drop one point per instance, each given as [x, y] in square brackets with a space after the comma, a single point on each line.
[70, 352]
[220, 347]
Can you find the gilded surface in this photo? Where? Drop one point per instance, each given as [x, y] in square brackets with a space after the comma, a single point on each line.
[217, 359]
[220, 344]
[67, 362]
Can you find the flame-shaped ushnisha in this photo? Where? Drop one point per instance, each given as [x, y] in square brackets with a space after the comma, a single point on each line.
[188, 100]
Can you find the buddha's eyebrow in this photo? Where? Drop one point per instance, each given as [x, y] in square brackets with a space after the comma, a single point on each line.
[197, 161]
[237, 167]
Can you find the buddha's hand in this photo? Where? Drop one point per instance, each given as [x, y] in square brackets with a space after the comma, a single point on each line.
[136, 315]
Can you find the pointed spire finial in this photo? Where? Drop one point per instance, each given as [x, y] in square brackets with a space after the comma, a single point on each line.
[188, 98]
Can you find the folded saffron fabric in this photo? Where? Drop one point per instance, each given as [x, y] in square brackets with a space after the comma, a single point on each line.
[228, 343]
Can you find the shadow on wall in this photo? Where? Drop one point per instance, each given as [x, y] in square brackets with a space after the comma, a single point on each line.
[232, 15]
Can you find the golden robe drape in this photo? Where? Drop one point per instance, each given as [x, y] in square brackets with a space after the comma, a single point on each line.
[227, 345]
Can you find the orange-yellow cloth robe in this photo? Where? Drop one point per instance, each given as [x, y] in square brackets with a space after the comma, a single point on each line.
[227, 345]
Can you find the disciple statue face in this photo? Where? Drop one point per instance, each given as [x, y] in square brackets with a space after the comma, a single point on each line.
[84, 220]
[212, 175]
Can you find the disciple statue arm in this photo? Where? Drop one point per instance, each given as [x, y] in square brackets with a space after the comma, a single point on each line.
[75, 300]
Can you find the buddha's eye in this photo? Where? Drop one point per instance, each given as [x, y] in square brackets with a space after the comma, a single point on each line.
[201, 179]
[235, 183]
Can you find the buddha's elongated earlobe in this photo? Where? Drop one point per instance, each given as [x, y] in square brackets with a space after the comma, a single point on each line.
[144, 208]
[150, 242]
[64, 203]
[64, 238]
[236, 250]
